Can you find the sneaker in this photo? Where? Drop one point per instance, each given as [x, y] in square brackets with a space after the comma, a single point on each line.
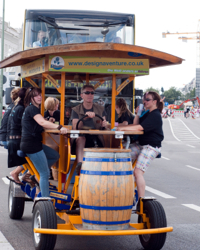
[136, 207]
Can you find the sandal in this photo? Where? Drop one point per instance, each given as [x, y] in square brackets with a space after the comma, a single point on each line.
[16, 182]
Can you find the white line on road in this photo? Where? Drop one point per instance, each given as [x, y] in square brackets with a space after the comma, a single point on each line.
[192, 167]
[5, 180]
[173, 130]
[190, 146]
[192, 206]
[4, 244]
[189, 129]
[159, 193]
[165, 158]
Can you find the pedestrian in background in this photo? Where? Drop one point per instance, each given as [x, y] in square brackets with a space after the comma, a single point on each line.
[185, 111]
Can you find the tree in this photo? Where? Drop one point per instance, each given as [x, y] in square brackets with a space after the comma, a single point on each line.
[171, 95]
[152, 89]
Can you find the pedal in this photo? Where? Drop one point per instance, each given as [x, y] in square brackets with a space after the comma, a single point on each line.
[32, 177]
[76, 212]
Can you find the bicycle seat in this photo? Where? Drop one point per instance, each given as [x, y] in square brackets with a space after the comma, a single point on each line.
[21, 153]
[159, 155]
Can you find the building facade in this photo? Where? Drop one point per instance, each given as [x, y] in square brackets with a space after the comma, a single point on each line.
[12, 39]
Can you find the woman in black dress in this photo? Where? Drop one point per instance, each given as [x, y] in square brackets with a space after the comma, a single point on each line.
[15, 129]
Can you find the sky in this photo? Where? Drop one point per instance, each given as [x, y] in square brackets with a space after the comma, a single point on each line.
[152, 18]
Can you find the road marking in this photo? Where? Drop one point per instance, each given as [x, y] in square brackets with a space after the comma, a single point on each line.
[189, 129]
[165, 158]
[192, 206]
[190, 146]
[159, 193]
[4, 244]
[182, 133]
[6, 181]
[192, 167]
[173, 130]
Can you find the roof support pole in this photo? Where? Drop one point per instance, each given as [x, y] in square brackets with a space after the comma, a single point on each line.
[113, 101]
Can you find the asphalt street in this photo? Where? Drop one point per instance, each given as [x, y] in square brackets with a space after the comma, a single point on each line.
[174, 180]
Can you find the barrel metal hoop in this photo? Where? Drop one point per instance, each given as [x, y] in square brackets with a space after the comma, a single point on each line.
[88, 172]
[105, 208]
[107, 159]
[106, 222]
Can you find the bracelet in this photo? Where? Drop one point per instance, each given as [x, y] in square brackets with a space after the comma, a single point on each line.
[59, 127]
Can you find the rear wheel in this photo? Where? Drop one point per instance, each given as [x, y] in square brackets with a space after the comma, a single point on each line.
[156, 214]
[44, 216]
[15, 204]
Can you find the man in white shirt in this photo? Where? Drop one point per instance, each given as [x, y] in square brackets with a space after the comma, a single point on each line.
[42, 40]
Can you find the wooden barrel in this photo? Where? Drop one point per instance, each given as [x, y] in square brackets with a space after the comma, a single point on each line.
[106, 189]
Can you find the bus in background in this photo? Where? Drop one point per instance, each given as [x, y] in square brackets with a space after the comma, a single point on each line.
[56, 27]
[44, 28]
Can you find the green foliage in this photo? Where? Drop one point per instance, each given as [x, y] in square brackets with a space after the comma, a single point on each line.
[151, 89]
[171, 95]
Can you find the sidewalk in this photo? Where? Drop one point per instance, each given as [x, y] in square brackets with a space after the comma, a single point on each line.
[4, 244]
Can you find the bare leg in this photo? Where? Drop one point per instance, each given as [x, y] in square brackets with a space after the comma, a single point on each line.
[80, 144]
[15, 173]
[140, 182]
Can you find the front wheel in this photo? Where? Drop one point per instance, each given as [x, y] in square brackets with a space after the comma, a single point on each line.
[15, 204]
[44, 216]
[156, 214]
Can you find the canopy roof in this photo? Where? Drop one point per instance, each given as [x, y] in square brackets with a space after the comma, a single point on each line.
[94, 49]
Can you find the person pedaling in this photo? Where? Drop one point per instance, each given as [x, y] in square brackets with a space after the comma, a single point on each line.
[33, 124]
[52, 113]
[148, 145]
[86, 111]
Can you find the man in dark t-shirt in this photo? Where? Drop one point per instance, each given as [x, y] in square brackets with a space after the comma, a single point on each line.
[90, 122]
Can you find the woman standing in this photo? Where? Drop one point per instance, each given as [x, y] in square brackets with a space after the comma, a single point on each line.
[148, 145]
[42, 156]
[15, 136]
[3, 130]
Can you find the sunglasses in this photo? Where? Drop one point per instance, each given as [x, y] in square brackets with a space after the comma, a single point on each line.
[147, 99]
[88, 92]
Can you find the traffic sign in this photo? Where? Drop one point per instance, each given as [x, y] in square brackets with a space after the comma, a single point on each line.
[166, 104]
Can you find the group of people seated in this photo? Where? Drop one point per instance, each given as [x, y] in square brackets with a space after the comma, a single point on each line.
[144, 148]
[27, 124]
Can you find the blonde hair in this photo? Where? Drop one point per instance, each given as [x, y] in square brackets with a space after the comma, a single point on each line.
[50, 103]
